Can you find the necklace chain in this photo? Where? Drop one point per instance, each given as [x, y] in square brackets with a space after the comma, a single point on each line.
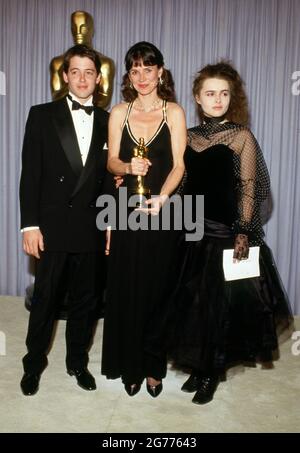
[140, 107]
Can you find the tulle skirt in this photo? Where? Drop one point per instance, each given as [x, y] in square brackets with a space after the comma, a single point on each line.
[216, 323]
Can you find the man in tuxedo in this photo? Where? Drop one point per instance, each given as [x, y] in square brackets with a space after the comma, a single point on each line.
[63, 166]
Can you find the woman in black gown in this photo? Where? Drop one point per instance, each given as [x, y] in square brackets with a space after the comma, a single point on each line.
[221, 322]
[141, 261]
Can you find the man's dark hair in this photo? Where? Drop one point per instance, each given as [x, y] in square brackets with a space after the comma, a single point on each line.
[81, 50]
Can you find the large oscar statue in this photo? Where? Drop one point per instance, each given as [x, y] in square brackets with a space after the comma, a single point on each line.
[138, 186]
[82, 27]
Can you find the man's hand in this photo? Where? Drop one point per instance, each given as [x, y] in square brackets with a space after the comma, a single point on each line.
[33, 242]
[107, 244]
[118, 181]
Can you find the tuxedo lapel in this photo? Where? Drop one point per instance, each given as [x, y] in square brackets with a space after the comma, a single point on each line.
[63, 122]
[96, 146]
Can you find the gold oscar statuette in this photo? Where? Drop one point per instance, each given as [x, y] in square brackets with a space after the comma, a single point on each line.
[82, 28]
[139, 188]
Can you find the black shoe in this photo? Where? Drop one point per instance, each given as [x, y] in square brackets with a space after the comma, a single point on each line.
[205, 392]
[154, 390]
[132, 389]
[85, 380]
[30, 383]
[192, 384]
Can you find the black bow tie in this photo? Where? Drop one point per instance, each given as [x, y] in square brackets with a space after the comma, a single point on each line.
[76, 106]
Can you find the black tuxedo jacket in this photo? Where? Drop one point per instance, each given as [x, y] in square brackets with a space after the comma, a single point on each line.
[58, 193]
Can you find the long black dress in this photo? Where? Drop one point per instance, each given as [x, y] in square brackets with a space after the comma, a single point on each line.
[139, 277]
[219, 322]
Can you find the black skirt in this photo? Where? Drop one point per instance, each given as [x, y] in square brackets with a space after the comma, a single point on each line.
[215, 322]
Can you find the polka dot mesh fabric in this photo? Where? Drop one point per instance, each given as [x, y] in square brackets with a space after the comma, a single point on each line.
[251, 173]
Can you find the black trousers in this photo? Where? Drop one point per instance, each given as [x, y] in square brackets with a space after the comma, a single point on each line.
[82, 273]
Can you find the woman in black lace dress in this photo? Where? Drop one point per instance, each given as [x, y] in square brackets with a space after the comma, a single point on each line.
[221, 322]
[141, 261]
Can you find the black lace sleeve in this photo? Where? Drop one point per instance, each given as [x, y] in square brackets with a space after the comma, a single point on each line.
[253, 185]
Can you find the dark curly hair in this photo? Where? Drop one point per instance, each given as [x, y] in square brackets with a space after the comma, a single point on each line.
[146, 53]
[238, 108]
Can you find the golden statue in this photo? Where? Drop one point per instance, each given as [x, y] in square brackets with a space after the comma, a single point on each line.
[139, 187]
[82, 27]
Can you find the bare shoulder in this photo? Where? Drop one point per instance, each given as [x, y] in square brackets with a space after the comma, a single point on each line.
[119, 109]
[175, 108]
[118, 112]
[175, 112]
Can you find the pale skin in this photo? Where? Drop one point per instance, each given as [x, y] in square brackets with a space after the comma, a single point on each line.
[33, 242]
[144, 123]
[82, 79]
[214, 97]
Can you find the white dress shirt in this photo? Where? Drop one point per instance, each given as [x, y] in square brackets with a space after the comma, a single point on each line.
[83, 124]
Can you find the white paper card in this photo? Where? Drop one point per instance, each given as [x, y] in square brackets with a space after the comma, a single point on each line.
[241, 269]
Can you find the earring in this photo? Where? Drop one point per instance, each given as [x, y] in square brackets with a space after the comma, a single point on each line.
[160, 80]
[131, 86]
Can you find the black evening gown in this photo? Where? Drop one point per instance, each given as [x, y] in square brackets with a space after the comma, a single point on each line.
[218, 322]
[140, 274]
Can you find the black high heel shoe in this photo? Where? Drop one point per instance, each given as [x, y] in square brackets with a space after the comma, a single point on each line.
[132, 389]
[154, 390]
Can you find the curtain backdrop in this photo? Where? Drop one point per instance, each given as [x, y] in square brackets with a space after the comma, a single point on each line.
[261, 37]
